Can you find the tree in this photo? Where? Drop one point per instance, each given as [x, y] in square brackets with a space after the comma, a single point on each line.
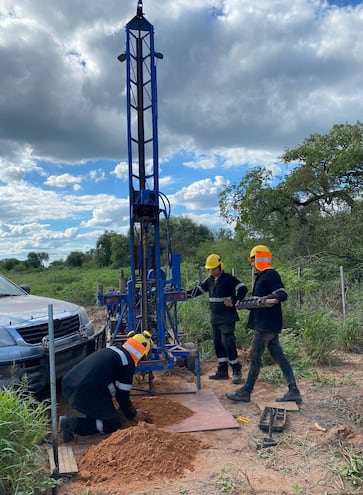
[9, 263]
[330, 171]
[321, 192]
[120, 249]
[36, 260]
[185, 235]
[103, 254]
[75, 259]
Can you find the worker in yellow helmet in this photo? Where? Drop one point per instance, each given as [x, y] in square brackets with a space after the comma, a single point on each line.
[221, 287]
[267, 324]
[93, 385]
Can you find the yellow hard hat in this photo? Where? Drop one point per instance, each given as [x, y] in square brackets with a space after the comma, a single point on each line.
[213, 261]
[259, 247]
[138, 345]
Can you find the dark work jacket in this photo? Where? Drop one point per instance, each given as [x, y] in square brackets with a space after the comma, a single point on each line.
[267, 319]
[86, 385]
[226, 287]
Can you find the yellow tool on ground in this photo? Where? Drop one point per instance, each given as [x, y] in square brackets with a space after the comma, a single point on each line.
[242, 419]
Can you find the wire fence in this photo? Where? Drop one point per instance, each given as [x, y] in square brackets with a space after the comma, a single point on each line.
[337, 289]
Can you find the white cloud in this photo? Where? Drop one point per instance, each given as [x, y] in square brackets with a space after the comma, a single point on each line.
[166, 181]
[16, 163]
[112, 213]
[202, 163]
[200, 195]
[98, 175]
[239, 82]
[121, 171]
[62, 180]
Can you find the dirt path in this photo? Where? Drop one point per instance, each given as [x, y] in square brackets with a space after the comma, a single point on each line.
[142, 460]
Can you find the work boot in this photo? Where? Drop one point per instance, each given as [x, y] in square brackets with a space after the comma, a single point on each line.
[219, 375]
[241, 395]
[236, 377]
[67, 426]
[292, 395]
[236, 373]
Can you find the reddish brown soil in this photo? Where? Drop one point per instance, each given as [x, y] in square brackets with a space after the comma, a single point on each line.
[308, 459]
[142, 451]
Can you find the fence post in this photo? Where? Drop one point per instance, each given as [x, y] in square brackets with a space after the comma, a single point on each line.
[342, 285]
[299, 296]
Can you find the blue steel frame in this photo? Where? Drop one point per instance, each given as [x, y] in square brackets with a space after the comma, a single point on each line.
[151, 296]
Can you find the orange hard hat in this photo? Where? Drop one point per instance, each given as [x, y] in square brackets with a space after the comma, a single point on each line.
[138, 345]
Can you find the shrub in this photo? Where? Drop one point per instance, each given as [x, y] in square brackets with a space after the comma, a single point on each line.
[318, 332]
[349, 335]
[23, 463]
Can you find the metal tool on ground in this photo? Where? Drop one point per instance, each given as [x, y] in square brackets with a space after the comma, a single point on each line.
[242, 419]
[149, 298]
[272, 419]
[278, 419]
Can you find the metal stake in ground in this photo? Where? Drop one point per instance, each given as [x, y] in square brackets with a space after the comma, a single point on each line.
[270, 442]
[53, 392]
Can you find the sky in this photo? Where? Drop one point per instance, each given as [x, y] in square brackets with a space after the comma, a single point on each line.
[239, 83]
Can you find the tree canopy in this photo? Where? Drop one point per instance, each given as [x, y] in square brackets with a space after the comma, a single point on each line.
[315, 207]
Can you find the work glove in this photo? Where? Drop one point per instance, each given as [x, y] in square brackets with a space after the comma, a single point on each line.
[270, 299]
[140, 415]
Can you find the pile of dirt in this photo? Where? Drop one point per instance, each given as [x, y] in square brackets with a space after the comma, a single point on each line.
[138, 453]
[162, 411]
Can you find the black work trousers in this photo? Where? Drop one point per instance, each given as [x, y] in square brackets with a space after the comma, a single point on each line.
[259, 343]
[90, 426]
[225, 345]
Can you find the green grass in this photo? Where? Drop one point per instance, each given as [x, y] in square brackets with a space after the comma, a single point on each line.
[23, 426]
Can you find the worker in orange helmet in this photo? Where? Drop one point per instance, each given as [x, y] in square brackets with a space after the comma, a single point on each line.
[267, 324]
[93, 385]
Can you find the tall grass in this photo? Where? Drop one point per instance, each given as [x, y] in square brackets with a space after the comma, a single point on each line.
[23, 426]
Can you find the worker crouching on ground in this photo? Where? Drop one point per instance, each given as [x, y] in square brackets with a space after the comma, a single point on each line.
[222, 287]
[99, 387]
[267, 324]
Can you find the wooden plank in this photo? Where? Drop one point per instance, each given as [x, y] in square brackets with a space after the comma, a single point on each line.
[66, 460]
[288, 406]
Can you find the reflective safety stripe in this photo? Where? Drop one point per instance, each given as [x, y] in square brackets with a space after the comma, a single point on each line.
[220, 299]
[121, 353]
[234, 361]
[123, 386]
[99, 425]
[222, 360]
[276, 292]
[111, 387]
[238, 286]
[135, 349]
[263, 260]
[201, 289]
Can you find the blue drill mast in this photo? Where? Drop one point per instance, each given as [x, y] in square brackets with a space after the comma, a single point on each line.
[148, 299]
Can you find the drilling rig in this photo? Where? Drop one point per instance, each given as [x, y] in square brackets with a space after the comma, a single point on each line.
[149, 298]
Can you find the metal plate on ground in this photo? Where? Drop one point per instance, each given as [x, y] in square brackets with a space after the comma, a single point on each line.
[209, 414]
[288, 406]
